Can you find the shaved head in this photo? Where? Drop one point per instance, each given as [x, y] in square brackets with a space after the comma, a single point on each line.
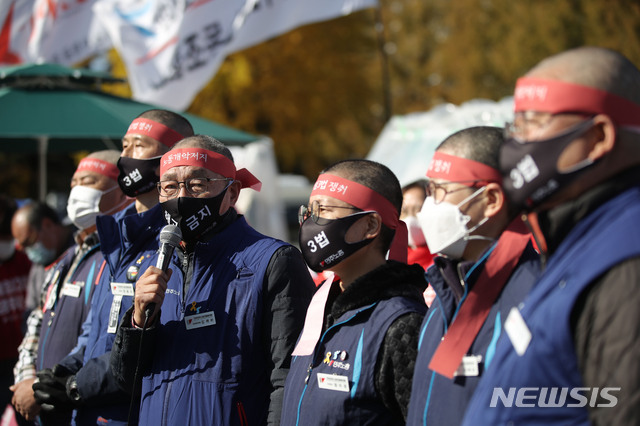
[597, 67]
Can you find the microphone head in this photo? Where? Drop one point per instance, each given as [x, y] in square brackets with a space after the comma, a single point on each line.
[171, 235]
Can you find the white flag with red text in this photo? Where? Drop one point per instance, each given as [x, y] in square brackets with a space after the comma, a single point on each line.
[56, 31]
[172, 48]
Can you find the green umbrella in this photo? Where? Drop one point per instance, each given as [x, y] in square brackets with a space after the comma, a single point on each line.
[51, 108]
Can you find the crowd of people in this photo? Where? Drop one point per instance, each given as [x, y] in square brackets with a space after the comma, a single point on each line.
[497, 290]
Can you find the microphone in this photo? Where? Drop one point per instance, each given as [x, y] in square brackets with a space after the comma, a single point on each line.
[170, 237]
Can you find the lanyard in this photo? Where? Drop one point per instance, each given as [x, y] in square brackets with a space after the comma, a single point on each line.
[474, 311]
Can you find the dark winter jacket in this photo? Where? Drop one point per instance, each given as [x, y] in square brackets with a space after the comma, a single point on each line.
[68, 300]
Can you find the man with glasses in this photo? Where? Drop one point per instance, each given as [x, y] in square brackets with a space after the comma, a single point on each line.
[354, 360]
[129, 243]
[572, 159]
[485, 265]
[217, 346]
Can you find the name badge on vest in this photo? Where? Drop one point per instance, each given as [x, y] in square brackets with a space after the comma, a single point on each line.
[122, 289]
[333, 382]
[470, 366]
[118, 290]
[114, 314]
[517, 330]
[204, 319]
[72, 289]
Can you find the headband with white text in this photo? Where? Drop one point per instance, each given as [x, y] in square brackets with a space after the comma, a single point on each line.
[99, 166]
[554, 96]
[366, 199]
[212, 161]
[155, 130]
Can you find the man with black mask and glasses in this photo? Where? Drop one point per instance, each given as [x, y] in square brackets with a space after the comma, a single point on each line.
[354, 360]
[572, 159]
[228, 310]
[129, 243]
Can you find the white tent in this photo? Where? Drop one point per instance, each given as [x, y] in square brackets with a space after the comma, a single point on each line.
[264, 209]
[407, 142]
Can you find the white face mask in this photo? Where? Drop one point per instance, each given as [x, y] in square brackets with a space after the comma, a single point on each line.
[416, 236]
[445, 227]
[83, 205]
[7, 248]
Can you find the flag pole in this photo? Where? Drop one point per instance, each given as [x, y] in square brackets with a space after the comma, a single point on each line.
[384, 64]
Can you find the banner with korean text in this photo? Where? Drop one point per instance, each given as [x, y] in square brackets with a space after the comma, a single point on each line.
[172, 48]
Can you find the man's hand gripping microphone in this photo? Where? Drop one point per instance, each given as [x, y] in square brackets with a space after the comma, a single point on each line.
[170, 237]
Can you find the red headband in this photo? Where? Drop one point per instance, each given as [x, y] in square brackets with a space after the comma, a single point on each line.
[99, 166]
[457, 169]
[554, 96]
[366, 199]
[155, 130]
[217, 163]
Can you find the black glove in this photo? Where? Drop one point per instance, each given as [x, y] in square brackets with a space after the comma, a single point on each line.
[50, 389]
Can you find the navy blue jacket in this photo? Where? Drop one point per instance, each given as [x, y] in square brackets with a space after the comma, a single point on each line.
[547, 373]
[436, 399]
[129, 243]
[239, 286]
[68, 299]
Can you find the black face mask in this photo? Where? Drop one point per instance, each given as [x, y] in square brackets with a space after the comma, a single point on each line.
[529, 169]
[323, 245]
[138, 176]
[194, 216]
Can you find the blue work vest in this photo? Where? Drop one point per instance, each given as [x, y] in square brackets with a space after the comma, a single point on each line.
[516, 388]
[67, 303]
[336, 384]
[210, 364]
[129, 244]
[436, 399]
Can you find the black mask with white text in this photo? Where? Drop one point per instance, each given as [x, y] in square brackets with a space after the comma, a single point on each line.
[138, 176]
[529, 168]
[323, 245]
[194, 216]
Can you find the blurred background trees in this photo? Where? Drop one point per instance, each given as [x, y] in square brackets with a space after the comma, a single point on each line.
[323, 92]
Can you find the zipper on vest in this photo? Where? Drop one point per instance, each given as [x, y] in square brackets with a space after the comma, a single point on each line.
[306, 379]
[187, 269]
[461, 276]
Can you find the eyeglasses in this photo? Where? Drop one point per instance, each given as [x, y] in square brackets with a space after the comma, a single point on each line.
[194, 186]
[527, 125]
[313, 211]
[438, 191]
